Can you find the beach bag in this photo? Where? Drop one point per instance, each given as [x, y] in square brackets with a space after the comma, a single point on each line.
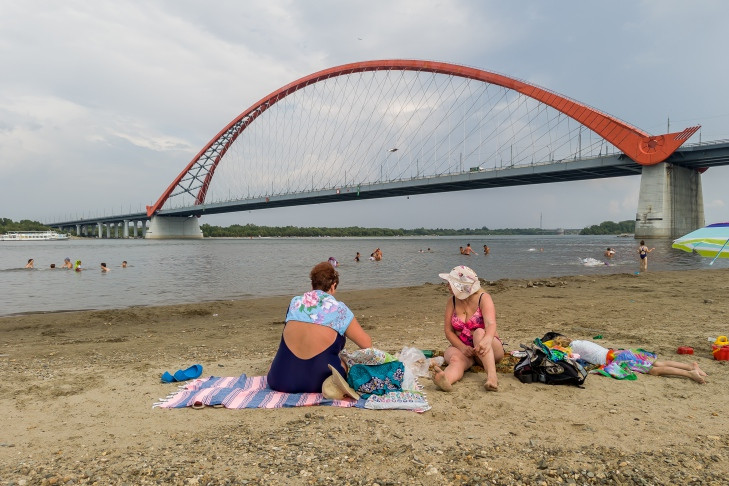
[540, 365]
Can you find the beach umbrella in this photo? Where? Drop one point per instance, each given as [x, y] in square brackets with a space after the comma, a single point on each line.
[709, 241]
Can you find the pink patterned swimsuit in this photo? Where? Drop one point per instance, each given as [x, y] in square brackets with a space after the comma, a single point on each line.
[465, 329]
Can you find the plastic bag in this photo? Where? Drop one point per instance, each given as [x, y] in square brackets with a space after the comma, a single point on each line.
[415, 361]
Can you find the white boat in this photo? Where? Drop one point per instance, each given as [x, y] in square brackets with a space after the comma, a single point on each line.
[33, 236]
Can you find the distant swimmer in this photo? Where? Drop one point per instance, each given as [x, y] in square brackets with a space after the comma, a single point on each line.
[104, 268]
[609, 252]
[77, 266]
[30, 263]
[377, 255]
[124, 264]
[333, 261]
[486, 250]
[468, 250]
[356, 257]
[53, 265]
[67, 263]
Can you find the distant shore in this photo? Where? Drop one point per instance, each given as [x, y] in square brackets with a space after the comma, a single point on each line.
[79, 388]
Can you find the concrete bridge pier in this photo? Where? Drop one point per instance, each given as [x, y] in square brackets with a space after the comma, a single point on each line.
[671, 202]
[173, 227]
[78, 230]
[135, 228]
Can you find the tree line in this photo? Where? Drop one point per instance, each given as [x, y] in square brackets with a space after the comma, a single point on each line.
[22, 225]
[610, 228]
[254, 231]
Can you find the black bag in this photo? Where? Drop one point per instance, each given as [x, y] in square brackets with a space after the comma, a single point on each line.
[538, 366]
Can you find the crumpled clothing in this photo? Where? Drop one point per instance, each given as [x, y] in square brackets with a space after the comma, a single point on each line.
[366, 356]
[619, 371]
[376, 379]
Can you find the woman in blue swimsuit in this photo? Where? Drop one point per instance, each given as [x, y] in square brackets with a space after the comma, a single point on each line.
[643, 253]
[316, 330]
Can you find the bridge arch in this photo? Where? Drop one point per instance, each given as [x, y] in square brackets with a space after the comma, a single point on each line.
[641, 147]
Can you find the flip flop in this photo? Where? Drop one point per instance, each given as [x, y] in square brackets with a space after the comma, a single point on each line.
[167, 377]
[190, 373]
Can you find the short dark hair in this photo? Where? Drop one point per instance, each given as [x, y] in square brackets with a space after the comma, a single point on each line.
[323, 276]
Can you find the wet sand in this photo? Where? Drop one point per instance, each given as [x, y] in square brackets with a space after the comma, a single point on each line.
[78, 389]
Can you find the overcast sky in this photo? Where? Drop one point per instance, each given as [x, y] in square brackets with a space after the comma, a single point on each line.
[103, 103]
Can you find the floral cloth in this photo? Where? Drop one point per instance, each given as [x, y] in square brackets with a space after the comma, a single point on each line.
[404, 400]
[318, 307]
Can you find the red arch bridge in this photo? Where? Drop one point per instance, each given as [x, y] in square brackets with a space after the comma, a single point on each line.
[400, 127]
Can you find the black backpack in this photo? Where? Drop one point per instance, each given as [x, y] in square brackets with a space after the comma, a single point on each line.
[540, 365]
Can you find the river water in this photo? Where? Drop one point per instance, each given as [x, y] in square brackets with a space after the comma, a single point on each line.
[174, 271]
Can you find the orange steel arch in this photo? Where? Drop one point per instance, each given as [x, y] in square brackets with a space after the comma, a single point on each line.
[643, 148]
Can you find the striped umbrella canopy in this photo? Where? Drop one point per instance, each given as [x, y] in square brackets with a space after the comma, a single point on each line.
[709, 241]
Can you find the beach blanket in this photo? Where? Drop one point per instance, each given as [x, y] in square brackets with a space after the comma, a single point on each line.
[253, 392]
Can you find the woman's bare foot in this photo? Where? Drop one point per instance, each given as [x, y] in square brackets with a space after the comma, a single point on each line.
[700, 371]
[696, 376]
[491, 385]
[441, 380]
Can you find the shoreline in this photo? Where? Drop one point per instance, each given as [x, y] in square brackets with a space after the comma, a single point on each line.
[80, 387]
[287, 296]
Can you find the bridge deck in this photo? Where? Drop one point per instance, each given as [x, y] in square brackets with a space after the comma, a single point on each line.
[696, 156]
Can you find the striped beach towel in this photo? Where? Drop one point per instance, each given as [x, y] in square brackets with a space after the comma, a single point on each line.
[243, 392]
[253, 392]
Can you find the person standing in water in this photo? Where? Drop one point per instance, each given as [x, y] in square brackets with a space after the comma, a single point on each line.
[643, 253]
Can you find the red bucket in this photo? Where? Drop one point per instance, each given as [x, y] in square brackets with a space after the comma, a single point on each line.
[721, 353]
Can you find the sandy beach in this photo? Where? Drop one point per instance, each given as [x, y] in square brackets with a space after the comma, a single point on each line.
[78, 390]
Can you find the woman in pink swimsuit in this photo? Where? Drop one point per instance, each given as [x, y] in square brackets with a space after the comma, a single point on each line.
[470, 327]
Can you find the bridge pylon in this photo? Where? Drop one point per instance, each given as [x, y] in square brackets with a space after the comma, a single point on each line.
[671, 201]
[174, 227]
